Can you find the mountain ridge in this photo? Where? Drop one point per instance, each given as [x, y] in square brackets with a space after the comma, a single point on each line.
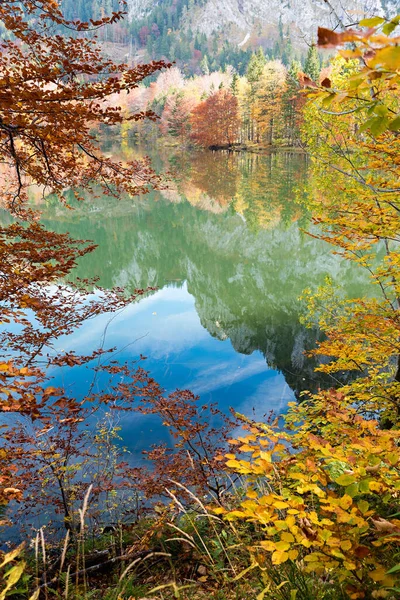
[238, 19]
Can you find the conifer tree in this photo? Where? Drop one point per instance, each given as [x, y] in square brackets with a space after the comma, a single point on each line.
[234, 84]
[204, 66]
[312, 66]
[254, 71]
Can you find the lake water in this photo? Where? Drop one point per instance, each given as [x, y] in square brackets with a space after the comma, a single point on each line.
[225, 246]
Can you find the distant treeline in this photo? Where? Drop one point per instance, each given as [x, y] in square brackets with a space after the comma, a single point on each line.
[223, 108]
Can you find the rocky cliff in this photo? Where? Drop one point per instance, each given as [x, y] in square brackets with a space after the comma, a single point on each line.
[242, 20]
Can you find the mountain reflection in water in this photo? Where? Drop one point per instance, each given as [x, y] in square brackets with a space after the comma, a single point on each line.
[224, 246]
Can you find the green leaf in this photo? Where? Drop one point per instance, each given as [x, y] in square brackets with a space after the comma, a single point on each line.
[394, 125]
[380, 125]
[391, 26]
[327, 101]
[376, 125]
[381, 110]
[345, 479]
[372, 22]
[352, 489]
[363, 506]
[393, 570]
[364, 485]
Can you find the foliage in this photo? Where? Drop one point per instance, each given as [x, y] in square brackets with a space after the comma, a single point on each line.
[351, 132]
[53, 92]
[268, 108]
[315, 504]
[220, 109]
[325, 496]
[325, 490]
[312, 66]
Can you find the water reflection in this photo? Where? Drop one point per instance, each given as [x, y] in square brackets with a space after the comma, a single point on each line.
[224, 247]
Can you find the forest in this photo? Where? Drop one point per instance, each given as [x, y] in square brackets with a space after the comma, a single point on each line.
[299, 505]
[261, 108]
[159, 35]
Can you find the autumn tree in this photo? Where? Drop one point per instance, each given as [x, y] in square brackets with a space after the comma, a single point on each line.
[351, 131]
[326, 511]
[215, 122]
[52, 99]
[53, 91]
[269, 105]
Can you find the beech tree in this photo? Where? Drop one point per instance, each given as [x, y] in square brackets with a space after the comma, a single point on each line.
[52, 94]
[52, 98]
[221, 110]
[351, 130]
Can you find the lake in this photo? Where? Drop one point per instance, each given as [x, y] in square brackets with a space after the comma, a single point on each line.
[225, 246]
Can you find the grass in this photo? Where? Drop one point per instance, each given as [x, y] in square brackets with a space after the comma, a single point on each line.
[180, 553]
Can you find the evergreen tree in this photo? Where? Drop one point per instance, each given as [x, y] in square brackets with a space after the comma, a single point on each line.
[290, 101]
[294, 70]
[204, 66]
[255, 66]
[235, 84]
[312, 66]
[280, 28]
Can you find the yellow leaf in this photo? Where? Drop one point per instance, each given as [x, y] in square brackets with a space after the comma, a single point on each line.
[237, 513]
[268, 545]
[246, 448]
[233, 464]
[251, 494]
[346, 545]
[345, 502]
[388, 57]
[379, 574]
[266, 456]
[279, 557]
[12, 576]
[280, 505]
[219, 510]
[282, 546]
[12, 555]
[375, 486]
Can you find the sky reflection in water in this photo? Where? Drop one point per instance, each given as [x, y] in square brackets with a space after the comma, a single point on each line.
[225, 249]
[166, 328]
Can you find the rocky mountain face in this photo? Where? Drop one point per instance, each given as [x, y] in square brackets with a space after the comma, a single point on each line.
[242, 20]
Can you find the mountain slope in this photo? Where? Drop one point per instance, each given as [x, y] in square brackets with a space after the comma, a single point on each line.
[237, 19]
